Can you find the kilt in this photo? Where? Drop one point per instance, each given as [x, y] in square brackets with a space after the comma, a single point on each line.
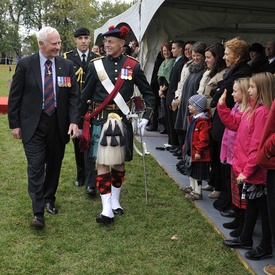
[198, 170]
[128, 134]
[236, 191]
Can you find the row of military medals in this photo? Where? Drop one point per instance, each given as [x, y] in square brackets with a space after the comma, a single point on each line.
[64, 81]
[126, 73]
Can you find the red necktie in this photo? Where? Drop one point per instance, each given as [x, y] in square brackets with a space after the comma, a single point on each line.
[49, 107]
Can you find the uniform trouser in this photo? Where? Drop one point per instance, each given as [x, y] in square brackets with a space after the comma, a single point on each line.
[270, 186]
[44, 152]
[80, 163]
[170, 117]
[90, 169]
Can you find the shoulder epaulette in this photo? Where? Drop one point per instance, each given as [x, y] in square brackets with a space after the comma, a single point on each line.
[97, 58]
[129, 56]
[65, 54]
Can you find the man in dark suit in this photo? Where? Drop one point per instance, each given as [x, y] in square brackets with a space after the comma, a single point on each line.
[269, 66]
[81, 57]
[43, 111]
[170, 114]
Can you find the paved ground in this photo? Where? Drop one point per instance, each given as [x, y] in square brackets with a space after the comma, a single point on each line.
[168, 162]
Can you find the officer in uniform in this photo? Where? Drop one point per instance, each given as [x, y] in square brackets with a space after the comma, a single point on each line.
[113, 68]
[81, 56]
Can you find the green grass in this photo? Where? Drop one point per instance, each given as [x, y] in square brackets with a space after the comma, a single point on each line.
[5, 76]
[139, 242]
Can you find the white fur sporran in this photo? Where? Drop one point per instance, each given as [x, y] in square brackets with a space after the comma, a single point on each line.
[111, 147]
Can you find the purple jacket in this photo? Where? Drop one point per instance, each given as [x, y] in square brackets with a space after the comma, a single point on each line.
[228, 141]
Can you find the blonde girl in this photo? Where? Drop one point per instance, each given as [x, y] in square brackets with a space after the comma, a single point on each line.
[249, 127]
[238, 205]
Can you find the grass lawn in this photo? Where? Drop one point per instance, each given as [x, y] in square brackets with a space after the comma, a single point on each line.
[139, 242]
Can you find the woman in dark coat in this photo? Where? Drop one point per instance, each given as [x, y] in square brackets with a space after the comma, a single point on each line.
[235, 56]
[191, 85]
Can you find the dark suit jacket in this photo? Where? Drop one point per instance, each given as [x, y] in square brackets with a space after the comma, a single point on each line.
[270, 67]
[174, 80]
[26, 97]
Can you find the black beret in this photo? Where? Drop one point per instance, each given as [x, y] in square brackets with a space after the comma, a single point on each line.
[118, 33]
[256, 47]
[81, 32]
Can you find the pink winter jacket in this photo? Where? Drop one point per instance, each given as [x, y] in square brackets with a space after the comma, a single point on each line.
[228, 141]
[249, 131]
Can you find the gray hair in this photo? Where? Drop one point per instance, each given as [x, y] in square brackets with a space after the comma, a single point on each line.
[199, 47]
[43, 33]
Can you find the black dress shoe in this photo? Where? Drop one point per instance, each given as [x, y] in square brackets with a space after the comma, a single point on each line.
[174, 150]
[232, 225]
[238, 243]
[50, 207]
[79, 183]
[228, 213]
[118, 211]
[177, 153]
[104, 219]
[91, 191]
[170, 148]
[38, 222]
[258, 254]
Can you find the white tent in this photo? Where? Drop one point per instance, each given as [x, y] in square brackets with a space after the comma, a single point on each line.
[154, 22]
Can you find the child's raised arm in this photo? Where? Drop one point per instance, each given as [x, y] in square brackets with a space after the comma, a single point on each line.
[223, 97]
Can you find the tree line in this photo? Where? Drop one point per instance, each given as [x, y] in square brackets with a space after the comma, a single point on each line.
[20, 19]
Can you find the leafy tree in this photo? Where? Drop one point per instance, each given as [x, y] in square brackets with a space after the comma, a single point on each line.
[9, 30]
[64, 15]
[108, 10]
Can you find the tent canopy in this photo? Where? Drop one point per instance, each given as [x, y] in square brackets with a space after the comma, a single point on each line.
[154, 22]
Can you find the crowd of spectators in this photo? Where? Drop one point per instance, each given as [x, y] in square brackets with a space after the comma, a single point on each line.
[235, 81]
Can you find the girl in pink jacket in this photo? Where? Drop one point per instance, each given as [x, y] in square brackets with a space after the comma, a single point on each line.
[240, 95]
[249, 126]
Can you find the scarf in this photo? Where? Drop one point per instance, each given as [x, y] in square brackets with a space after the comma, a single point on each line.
[166, 68]
[196, 67]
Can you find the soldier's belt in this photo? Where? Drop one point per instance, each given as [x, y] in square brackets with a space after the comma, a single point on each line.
[109, 107]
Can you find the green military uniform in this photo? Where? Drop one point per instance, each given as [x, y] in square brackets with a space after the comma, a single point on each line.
[74, 56]
[110, 183]
[95, 92]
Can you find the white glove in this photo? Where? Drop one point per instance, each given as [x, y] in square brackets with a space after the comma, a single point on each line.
[142, 124]
[79, 133]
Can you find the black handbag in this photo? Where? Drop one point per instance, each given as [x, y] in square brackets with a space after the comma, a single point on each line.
[187, 160]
